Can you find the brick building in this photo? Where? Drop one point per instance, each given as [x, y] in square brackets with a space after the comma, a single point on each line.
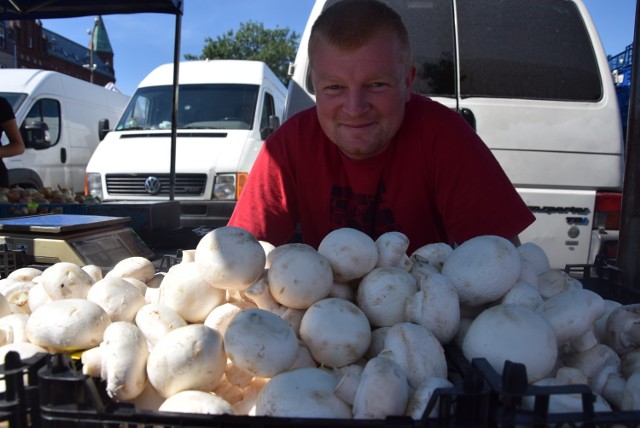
[27, 44]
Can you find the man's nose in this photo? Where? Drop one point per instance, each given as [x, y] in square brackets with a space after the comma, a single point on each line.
[356, 102]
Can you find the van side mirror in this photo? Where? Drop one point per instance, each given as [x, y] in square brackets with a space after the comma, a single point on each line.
[103, 128]
[274, 123]
[35, 135]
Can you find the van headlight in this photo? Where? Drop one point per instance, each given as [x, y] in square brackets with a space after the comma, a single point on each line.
[224, 187]
[94, 185]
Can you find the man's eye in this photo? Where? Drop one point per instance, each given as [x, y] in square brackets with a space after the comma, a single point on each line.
[378, 84]
[333, 87]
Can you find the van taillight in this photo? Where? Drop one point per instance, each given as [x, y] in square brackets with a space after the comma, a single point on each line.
[607, 211]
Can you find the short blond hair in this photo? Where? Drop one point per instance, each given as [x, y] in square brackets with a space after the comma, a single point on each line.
[349, 24]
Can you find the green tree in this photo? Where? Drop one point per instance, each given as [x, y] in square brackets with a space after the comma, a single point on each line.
[275, 47]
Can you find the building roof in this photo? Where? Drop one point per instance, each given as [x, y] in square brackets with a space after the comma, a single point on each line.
[73, 52]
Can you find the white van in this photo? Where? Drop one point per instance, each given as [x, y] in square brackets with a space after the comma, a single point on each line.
[62, 120]
[226, 110]
[532, 78]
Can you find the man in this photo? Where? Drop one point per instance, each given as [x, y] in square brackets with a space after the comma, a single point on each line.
[372, 155]
[9, 126]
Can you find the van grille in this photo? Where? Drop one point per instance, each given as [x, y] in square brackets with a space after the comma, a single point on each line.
[134, 184]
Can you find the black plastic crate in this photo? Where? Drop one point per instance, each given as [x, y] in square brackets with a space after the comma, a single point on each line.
[57, 394]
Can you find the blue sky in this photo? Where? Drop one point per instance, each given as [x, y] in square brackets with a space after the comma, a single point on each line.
[141, 42]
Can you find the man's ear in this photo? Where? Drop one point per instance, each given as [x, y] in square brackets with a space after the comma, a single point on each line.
[411, 76]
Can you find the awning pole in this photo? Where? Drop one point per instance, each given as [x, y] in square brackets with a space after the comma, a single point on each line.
[174, 113]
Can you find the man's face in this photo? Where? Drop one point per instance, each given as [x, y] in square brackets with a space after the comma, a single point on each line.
[361, 93]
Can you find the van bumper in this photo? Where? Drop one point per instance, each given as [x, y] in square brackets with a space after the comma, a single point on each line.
[211, 214]
[600, 241]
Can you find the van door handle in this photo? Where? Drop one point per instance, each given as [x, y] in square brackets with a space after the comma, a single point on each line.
[63, 155]
[469, 117]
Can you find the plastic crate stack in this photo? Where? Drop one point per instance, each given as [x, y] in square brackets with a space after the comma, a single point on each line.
[620, 66]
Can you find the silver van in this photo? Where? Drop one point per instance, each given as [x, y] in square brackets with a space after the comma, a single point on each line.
[532, 78]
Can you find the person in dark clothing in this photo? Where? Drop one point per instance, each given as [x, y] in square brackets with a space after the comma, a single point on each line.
[9, 126]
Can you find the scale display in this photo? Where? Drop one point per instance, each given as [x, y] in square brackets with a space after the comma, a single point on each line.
[80, 239]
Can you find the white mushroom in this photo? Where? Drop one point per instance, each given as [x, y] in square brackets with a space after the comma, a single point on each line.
[219, 318]
[623, 328]
[556, 281]
[417, 351]
[302, 393]
[94, 271]
[336, 331]
[523, 293]
[187, 358]
[351, 253]
[433, 254]
[186, 291]
[65, 280]
[230, 258]
[535, 255]
[119, 299]
[155, 320]
[392, 250]
[299, 277]
[515, 333]
[136, 267]
[572, 314]
[67, 325]
[383, 294]
[124, 360]
[260, 342]
[422, 395]
[483, 269]
[25, 273]
[436, 306]
[383, 390]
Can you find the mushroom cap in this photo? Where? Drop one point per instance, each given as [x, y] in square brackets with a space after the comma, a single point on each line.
[119, 298]
[299, 276]
[185, 290]
[230, 258]
[435, 306]
[483, 269]
[260, 342]
[124, 360]
[433, 254]
[351, 253]
[535, 254]
[572, 313]
[155, 320]
[302, 393]
[416, 350]
[65, 280]
[392, 250]
[383, 390]
[67, 325]
[187, 358]
[383, 294]
[336, 331]
[136, 267]
[515, 333]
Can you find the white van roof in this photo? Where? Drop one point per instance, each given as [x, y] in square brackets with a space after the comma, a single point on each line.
[27, 79]
[211, 71]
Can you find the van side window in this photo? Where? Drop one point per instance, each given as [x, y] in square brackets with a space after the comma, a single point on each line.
[526, 49]
[44, 116]
[268, 110]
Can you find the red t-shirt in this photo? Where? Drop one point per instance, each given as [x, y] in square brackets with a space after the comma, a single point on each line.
[436, 182]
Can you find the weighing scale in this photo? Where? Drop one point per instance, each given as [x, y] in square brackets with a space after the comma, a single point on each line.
[79, 239]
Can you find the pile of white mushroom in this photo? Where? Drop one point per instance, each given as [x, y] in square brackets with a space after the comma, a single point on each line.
[354, 329]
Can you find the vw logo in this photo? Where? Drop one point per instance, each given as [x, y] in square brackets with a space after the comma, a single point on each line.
[152, 185]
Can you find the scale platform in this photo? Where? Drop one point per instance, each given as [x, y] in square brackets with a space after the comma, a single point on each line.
[79, 239]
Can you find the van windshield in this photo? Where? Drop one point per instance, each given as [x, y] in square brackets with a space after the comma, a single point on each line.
[200, 106]
[14, 98]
